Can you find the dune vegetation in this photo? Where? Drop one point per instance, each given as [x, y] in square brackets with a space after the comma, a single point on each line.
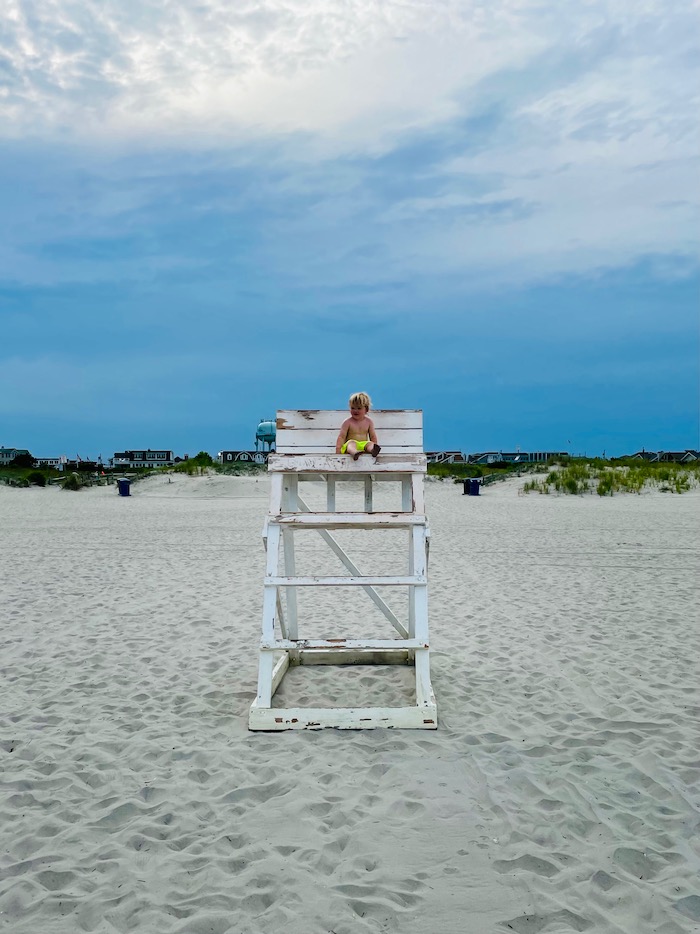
[606, 478]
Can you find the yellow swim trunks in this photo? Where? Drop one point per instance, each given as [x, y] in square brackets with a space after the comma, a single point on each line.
[361, 445]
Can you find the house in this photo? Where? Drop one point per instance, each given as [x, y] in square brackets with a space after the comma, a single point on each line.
[677, 457]
[7, 455]
[445, 457]
[242, 457]
[56, 463]
[666, 457]
[515, 457]
[80, 464]
[143, 458]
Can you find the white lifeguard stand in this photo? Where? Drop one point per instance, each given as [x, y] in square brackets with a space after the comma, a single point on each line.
[306, 451]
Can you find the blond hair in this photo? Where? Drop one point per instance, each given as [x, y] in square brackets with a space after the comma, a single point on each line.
[360, 400]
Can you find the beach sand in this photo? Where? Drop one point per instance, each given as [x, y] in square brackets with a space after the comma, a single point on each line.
[560, 792]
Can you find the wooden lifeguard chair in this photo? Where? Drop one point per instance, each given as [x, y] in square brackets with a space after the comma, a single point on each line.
[306, 452]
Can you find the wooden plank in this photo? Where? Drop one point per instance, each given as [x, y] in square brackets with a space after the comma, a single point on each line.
[366, 460]
[420, 594]
[345, 581]
[265, 665]
[368, 493]
[342, 464]
[280, 615]
[278, 600]
[355, 477]
[417, 493]
[424, 690]
[270, 592]
[296, 419]
[342, 718]
[330, 494]
[290, 571]
[418, 536]
[272, 549]
[367, 463]
[276, 486]
[344, 657]
[290, 492]
[314, 437]
[399, 435]
[412, 590]
[421, 613]
[348, 520]
[356, 645]
[406, 497]
[279, 671]
[290, 503]
[269, 608]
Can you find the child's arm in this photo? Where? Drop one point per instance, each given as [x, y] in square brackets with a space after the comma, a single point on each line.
[342, 436]
[371, 432]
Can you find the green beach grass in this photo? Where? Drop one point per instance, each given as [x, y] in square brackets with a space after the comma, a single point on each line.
[573, 476]
[607, 478]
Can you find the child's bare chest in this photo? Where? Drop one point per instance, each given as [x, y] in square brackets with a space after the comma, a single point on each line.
[359, 431]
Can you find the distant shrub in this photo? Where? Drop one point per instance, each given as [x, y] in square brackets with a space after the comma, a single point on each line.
[36, 478]
[23, 460]
[681, 483]
[239, 469]
[572, 485]
[605, 485]
[196, 466]
[72, 482]
[456, 471]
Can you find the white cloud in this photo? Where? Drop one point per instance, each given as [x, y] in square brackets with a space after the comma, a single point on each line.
[353, 69]
[594, 147]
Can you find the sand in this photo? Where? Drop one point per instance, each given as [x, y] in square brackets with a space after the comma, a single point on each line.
[560, 792]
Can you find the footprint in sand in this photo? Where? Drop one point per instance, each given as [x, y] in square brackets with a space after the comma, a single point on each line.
[527, 863]
[636, 863]
[690, 907]
[555, 920]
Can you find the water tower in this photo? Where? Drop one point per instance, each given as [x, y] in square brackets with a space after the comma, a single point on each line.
[265, 434]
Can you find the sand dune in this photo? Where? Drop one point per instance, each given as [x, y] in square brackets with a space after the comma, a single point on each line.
[560, 792]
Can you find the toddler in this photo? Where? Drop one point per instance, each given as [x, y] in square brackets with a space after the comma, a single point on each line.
[357, 433]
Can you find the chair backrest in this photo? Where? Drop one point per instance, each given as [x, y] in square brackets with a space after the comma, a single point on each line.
[314, 431]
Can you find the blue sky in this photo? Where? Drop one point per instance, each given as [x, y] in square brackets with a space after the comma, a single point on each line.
[484, 210]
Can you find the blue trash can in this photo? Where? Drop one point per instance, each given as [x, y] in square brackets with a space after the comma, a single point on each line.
[474, 486]
[123, 486]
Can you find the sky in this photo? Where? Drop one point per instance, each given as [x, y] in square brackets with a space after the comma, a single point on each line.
[485, 209]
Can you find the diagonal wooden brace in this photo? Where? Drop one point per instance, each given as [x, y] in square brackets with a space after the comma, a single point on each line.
[355, 571]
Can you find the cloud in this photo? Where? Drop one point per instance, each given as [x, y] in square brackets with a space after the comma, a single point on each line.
[127, 66]
[342, 144]
[351, 72]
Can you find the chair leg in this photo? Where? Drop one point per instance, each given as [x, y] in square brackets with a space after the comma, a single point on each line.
[265, 665]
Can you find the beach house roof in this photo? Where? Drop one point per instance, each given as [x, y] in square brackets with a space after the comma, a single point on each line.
[7, 455]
